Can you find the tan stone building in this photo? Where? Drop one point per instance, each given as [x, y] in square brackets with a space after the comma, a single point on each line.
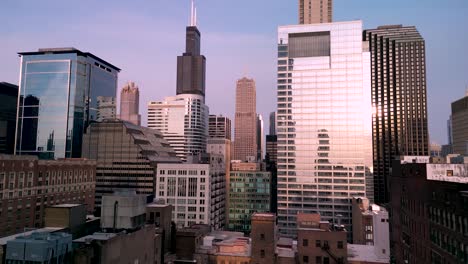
[245, 131]
[130, 103]
[315, 11]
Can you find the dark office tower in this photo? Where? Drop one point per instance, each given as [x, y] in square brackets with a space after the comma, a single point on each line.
[459, 126]
[8, 106]
[219, 127]
[273, 123]
[271, 158]
[59, 90]
[191, 66]
[398, 70]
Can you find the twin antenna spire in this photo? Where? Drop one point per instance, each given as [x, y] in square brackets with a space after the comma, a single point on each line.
[193, 16]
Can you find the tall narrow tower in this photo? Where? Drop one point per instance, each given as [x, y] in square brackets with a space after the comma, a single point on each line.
[245, 131]
[129, 103]
[183, 119]
[191, 66]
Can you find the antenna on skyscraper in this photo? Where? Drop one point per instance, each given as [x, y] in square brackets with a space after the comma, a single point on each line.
[192, 15]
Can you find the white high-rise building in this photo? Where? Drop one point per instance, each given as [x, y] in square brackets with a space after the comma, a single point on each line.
[196, 191]
[183, 121]
[324, 121]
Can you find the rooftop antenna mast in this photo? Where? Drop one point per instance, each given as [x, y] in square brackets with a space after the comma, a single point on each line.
[193, 15]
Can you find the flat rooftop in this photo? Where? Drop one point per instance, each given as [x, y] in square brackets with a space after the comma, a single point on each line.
[364, 253]
[4, 240]
[66, 205]
[96, 236]
[65, 51]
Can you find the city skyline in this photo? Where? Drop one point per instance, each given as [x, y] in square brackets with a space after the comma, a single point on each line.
[446, 60]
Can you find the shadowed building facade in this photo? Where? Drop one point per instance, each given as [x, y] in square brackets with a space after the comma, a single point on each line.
[127, 157]
[459, 126]
[8, 107]
[398, 70]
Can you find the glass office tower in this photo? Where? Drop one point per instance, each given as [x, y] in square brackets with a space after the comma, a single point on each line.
[58, 99]
[324, 121]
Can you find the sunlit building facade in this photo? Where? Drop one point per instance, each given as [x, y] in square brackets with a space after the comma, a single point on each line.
[183, 121]
[58, 99]
[324, 121]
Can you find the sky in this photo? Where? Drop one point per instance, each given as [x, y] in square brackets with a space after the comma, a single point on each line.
[144, 37]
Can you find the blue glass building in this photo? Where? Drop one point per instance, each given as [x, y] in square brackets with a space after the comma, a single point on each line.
[58, 99]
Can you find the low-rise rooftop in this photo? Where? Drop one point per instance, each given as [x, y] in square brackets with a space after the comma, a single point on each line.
[364, 254]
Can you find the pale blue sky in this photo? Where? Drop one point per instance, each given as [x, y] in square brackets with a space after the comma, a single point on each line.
[144, 37]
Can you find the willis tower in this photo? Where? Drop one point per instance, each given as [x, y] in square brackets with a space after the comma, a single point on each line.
[191, 66]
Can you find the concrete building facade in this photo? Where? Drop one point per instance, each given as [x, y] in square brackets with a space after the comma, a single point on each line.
[371, 227]
[196, 191]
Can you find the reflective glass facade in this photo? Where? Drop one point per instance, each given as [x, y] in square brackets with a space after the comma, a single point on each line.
[324, 121]
[58, 98]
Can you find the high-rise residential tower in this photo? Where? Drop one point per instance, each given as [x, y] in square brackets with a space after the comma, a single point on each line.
[324, 121]
[459, 126]
[183, 119]
[219, 127]
[315, 11]
[58, 99]
[260, 138]
[245, 130]
[130, 104]
[398, 68]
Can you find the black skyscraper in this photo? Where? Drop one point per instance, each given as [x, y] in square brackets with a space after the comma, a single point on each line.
[399, 99]
[191, 66]
[8, 107]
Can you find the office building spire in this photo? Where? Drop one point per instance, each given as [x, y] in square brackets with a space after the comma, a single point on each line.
[191, 65]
